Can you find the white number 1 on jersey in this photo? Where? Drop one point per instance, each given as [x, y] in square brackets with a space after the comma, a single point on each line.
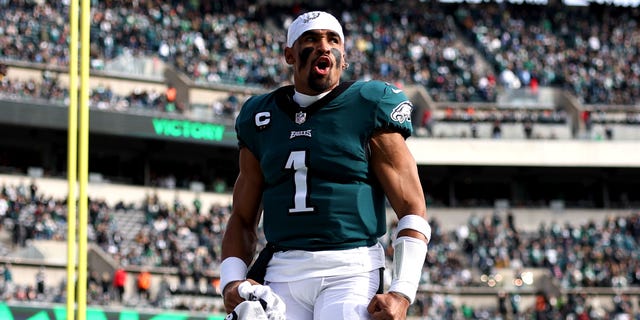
[297, 162]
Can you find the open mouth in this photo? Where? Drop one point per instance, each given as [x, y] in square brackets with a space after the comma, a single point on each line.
[322, 65]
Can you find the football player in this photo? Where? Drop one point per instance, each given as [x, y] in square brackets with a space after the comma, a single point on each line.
[317, 159]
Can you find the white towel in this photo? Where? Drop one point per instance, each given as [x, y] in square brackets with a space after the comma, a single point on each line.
[248, 310]
[261, 304]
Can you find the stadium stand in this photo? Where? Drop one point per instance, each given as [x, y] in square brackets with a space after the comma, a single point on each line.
[564, 246]
[518, 251]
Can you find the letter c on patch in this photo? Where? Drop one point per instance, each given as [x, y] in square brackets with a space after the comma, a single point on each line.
[262, 118]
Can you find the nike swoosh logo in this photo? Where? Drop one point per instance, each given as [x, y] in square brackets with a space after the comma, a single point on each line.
[396, 90]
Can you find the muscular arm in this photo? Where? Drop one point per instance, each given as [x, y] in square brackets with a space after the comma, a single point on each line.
[241, 235]
[397, 171]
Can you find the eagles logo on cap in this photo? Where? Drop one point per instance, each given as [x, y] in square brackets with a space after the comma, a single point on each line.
[310, 16]
[313, 20]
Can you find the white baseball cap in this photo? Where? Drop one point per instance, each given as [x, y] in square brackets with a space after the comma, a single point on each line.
[313, 20]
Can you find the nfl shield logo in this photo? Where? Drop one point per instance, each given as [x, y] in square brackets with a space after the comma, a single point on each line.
[301, 117]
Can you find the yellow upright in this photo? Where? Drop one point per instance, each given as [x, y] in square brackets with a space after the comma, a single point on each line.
[78, 160]
[72, 159]
[83, 162]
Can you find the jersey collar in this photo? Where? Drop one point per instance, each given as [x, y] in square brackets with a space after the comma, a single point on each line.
[284, 100]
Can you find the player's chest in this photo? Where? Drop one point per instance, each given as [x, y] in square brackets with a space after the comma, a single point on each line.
[321, 135]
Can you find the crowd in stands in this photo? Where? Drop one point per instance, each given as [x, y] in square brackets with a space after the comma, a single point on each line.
[465, 123]
[592, 52]
[469, 114]
[417, 43]
[102, 97]
[599, 254]
[611, 117]
[242, 43]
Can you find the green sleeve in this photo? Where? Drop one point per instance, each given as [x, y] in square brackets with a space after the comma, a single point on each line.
[394, 110]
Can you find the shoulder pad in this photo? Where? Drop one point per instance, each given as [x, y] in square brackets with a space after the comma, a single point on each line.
[374, 90]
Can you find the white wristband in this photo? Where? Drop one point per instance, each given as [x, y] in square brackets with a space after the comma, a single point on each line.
[408, 258]
[232, 269]
[414, 222]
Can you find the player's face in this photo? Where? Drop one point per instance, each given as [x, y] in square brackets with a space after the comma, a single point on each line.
[317, 57]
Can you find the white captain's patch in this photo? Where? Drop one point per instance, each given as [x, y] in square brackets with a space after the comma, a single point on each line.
[302, 133]
[262, 118]
[402, 112]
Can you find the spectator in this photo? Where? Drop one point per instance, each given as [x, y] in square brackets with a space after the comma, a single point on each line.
[587, 122]
[40, 282]
[8, 274]
[164, 292]
[427, 122]
[183, 273]
[502, 304]
[144, 284]
[7, 284]
[474, 129]
[3, 71]
[496, 130]
[608, 132]
[4, 208]
[542, 308]
[105, 284]
[170, 97]
[119, 283]
[528, 128]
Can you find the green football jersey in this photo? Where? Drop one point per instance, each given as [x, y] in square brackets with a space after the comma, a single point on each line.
[320, 192]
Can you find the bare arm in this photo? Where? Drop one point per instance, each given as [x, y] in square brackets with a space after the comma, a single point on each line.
[241, 236]
[397, 171]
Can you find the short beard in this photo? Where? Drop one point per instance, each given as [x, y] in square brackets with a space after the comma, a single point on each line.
[321, 84]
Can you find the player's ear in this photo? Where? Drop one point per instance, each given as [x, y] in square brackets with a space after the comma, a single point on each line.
[288, 56]
[345, 64]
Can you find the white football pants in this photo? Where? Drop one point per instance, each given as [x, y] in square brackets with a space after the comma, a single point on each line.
[329, 298]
